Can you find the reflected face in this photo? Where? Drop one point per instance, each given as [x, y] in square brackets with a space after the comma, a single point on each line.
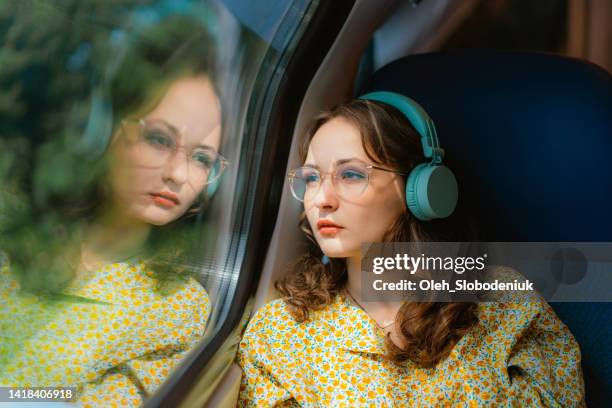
[357, 218]
[160, 164]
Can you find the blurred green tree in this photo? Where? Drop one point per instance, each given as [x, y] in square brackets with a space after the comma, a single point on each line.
[69, 69]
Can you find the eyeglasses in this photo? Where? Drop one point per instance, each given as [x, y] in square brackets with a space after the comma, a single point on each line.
[350, 180]
[156, 142]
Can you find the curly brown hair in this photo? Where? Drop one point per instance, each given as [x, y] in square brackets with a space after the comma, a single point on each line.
[428, 330]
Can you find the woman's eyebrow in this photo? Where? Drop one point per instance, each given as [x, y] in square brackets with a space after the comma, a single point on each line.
[350, 159]
[203, 146]
[165, 122]
[337, 162]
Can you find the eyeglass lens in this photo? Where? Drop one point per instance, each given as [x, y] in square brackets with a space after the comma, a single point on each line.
[350, 180]
[158, 141]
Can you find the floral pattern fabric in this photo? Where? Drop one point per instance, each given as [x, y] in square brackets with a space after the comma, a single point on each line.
[114, 337]
[519, 354]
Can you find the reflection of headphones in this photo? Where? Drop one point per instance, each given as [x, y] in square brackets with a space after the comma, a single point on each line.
[431, 188]
[207, 192]
[212, 187]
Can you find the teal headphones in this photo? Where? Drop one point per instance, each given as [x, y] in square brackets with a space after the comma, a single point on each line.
[212, 188]
[431, 188]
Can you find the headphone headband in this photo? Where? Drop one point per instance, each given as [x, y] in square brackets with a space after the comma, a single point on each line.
[417, 116]
[431, 189]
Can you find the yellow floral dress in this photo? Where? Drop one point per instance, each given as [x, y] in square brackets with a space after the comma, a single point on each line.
[114, 337]
[519, 354]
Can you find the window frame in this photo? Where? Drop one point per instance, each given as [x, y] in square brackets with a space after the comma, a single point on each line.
[272, 119]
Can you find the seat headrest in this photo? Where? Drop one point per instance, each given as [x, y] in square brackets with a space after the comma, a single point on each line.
[528, 135]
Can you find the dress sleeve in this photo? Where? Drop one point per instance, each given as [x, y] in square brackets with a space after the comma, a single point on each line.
[543, 364]
[128, 384]
[116, 388]
[259, 387]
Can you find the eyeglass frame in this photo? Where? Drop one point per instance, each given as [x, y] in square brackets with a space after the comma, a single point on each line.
[142, 123]
[369, 167]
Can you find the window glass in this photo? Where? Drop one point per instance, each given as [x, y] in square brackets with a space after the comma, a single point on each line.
[267, 36]
[129, 146]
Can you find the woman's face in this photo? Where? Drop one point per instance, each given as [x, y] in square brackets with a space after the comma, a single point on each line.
[363, 218]
[157, 166]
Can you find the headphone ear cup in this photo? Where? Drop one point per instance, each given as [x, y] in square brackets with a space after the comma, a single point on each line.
[431, 192]
[211, 189]
[99, 128]
[412, 200]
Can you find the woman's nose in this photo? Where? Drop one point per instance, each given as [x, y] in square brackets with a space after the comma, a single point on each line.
[176, 169]
[326, 198]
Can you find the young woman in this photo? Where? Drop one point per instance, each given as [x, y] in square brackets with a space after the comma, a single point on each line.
[321, 344]
[117, 306]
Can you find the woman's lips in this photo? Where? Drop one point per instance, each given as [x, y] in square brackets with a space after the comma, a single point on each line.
[326, 227]
[165, 199]
[329, 230]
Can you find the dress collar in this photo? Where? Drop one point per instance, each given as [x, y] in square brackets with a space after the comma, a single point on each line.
[356, 330]
[105, 285]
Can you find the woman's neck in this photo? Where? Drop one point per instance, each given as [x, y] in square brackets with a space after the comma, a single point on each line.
[111, 237]
[382, 311]
[353, 284]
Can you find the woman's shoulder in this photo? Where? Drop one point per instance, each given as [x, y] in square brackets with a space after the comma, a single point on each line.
[182, 308]
[129, 285]
[275, 323]
[264, 329]
[504, 328]
[138, 274]
[183, 294]
[514, 301]
[515, 317]
[273, 314]
[501, 316]
[278, 312]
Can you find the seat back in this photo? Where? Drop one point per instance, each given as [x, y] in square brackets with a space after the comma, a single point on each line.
[529, 137]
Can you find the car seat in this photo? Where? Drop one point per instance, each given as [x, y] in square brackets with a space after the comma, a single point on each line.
[529, 137]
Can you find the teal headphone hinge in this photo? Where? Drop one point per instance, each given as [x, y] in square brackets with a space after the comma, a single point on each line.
[431, 188]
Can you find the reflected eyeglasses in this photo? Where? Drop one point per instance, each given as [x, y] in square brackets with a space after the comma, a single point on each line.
[350, 179]
[156, 141]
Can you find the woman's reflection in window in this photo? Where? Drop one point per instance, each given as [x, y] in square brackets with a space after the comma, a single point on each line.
[115, 306]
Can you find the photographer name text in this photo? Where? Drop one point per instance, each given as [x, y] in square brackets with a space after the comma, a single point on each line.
[458, 285]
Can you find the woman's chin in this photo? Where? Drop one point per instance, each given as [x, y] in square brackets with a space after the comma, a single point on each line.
[156, 216]
[337, 250]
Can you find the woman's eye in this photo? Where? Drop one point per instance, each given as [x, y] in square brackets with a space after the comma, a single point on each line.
[204, 159]
[158, 139]
[352, 175]
[311, 178]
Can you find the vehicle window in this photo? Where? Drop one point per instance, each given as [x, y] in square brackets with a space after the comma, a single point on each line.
[129, 150]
